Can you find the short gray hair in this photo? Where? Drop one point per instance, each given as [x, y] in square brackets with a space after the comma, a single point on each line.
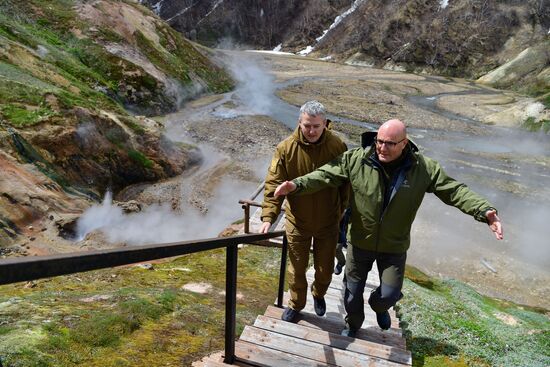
[313, 108]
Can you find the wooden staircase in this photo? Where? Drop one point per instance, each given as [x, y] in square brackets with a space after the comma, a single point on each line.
[316, 341]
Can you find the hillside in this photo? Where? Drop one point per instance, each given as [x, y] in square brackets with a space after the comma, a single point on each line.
[460, 38]
[78, 80]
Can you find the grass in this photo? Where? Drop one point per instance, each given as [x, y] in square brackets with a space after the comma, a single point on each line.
[139, 316]
[532, 125]
[140, 158]
[447, 323]
[22, 116]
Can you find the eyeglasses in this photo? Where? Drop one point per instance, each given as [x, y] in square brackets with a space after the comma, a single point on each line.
[389, 144]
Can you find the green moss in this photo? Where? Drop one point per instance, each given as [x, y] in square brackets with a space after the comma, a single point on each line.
[145, 317]
[133, 124]
[532, 125]
[140, 158]
[452, 323]
[22, 116]
[419, 277]
[5, 329]
[30, 155]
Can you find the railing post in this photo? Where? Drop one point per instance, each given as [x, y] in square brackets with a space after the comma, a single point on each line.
[282, 272]
[230, 302]
[246, 208]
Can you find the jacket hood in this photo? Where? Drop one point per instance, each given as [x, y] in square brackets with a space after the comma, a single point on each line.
[367, 139]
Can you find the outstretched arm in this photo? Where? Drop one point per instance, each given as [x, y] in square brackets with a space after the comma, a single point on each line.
[494, 223]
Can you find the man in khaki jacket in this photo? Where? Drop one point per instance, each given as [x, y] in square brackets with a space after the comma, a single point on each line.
[311, 219]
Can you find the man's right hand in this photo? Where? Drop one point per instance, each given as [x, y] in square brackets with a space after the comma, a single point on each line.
[285, 188]
[265, 227]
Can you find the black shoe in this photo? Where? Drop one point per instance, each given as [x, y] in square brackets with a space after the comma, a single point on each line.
[349, 332]
[384, 320]
[320, 306]
[289, 315]
[338, 269]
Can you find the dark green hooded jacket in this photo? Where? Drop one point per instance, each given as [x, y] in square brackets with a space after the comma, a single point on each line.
[383, 209]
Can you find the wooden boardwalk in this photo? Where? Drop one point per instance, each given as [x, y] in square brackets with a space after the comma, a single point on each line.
[316, 341]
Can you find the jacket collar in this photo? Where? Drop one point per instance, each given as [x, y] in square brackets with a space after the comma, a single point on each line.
[367, 142]
[299, 137]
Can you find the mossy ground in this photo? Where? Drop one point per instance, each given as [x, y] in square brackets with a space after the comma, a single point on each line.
[131, 316]
[46, 48]
[447, 323]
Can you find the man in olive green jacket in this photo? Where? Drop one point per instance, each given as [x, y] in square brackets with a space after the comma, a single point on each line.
[388, 178]
[311, 219]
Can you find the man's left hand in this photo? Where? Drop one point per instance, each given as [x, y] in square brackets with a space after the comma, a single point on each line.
[494, 223]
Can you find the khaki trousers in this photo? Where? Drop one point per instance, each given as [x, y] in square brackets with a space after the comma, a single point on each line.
[299, 244]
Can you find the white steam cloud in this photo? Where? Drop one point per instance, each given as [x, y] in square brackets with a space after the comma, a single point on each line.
[255, 88]
[160, 224]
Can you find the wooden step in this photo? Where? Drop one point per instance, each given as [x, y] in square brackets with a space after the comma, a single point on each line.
[334, 340]
[336, 311]
[372, 334]
[262, 356]
[308, 349]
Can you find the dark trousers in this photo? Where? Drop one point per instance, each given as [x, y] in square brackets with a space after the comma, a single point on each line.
[391, 269]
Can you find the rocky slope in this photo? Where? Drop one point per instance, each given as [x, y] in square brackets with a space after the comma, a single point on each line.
[465, 38]
[264, 23]
[76, 76]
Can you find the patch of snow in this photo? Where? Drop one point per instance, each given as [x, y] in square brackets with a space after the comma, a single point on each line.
[443, 4]
[271, 52]
[326, 58]
[211, 10]
[337, 21]
[261, 12]
[181, 12]
[534, 109]
[157, 7]
[305, 51]
[278, 48]
[341, 17]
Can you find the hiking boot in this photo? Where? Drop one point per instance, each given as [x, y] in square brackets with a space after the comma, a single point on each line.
[320, 306]
[338, 269]
[384, 320]
[349, 332]
[289, 315]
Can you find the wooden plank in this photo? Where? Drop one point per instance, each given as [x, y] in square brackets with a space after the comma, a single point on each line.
[266, 357]
[337, 302]
[337, 312]
[373, 334]
[334, 340]
[310, 350]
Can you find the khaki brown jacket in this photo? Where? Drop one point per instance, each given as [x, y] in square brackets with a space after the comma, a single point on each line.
[295, 157]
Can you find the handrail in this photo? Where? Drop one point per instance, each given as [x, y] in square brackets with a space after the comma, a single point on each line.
[32, 268]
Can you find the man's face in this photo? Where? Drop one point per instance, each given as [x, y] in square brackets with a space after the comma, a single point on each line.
[312, 127]
[389, 146]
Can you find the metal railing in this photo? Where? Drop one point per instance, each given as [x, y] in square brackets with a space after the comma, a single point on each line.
[32, 268]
